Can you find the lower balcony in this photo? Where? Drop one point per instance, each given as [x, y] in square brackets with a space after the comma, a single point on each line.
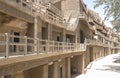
[96, 43]
[15, 46]
[93, 42]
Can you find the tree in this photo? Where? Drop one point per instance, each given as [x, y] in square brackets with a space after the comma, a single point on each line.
[116, 25]
[112, 9]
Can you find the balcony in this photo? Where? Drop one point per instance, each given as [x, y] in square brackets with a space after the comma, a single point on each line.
[54, 9]
[31, 8]
[83, 16]
[91, 22]
[18, 8]
[93, 42]
[29, 46]
[21, 4]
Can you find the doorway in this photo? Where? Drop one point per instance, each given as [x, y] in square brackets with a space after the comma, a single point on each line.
[60, 71]
[81, 36]
[58, 38]
[91, 53]
[16, 40]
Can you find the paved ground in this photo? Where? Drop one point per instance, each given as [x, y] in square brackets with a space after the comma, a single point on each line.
[106, 67]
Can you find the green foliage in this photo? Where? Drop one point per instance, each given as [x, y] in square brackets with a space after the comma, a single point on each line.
[116, 28]
[111, 7]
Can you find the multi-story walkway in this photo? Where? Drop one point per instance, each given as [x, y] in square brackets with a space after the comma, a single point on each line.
[108, 67]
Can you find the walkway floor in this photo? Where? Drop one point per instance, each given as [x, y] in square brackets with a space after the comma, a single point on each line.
[107, 67]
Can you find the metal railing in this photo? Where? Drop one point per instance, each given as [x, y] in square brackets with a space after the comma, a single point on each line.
[11, 45]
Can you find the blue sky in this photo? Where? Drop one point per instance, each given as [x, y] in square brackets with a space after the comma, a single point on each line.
[100, 10]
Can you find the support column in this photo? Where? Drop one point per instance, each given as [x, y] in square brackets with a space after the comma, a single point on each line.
[64, 69]
[19, 75]
[49, 31]
[56, 70]
[64, 35]
[76, 39]
[83, 63]
[45, 71]
[37, 31]
[49, 36]
[68, 67]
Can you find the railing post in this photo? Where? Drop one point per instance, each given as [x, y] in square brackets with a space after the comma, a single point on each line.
[85, 44]
[53, 46]
[63, 46]
[7, 44]
[31, 7]
[47, 46]
[21, 4]
[71, 47]
[38, 46]
[58, 46]
[67, 47]
[25, 45]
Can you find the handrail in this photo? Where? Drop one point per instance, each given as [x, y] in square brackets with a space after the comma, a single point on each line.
[93, 42]
[45, 14]
[54, 9]
[11, 45]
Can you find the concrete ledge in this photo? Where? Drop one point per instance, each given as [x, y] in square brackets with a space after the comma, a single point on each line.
[12, 65]
[15, 12]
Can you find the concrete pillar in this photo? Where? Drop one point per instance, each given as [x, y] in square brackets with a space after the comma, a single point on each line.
[83, 63]
[63, 69]
[19, 75]
[49, 31]
[76, 39]
[56, 70]
[68, 67]
[49, 36]
[36, 72]
[45, 71]
[64, 35]
[37, 30]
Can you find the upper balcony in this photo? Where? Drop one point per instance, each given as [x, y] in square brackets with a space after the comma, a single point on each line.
[18, 8]
[83, 16]
[15, 46]
[21, 4]
[31, 8]
[54, 9]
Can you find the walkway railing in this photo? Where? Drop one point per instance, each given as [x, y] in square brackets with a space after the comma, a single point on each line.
[32, 8]
[93, 42]
[11, 45]
[54, 9]
[97, 43]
